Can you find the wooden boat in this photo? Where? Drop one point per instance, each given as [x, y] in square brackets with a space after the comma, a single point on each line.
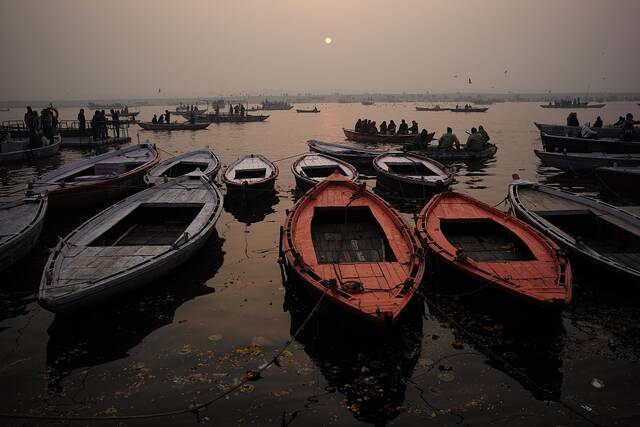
[311, 168]
[275, 106]
[173, 126]
[410, 174]
[470, 110]
[496, 249]
[619, 179]
[343, 241]
[315, 110]
[21, 223]
[4, 109]
[360, 158]
[97, 179]
[436, 108]
[603, 234]
[250, 175]
[18, 150]
[202, 161]
[130, 114]
[571, 106]
[130, 244]
[227, 118]
[379, 138]
[614, 132]
[368, 102]
[586, 162]
[588, 145]
[453, 155]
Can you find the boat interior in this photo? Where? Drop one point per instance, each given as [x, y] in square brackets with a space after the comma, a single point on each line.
[244, 174]
[150, 226]
[349, 235]
[485, 240]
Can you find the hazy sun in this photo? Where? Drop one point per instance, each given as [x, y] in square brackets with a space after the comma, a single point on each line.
[328, 40]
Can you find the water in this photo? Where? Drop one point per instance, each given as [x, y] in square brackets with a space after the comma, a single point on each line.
[475, 359]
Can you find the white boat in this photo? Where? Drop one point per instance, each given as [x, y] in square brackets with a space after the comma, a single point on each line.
[130, 244]
[20, 227]
[19, 150]
[411, 175]
[312, 168]
[199, 161]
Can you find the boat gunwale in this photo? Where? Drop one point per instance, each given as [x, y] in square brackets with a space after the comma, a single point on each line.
[442, 181]
[239, 184]
[354, 175]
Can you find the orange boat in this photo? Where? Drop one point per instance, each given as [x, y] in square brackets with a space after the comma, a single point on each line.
[496, 249]
[343, 240]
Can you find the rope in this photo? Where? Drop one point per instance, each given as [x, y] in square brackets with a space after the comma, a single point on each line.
[512, 369]
[194, 408]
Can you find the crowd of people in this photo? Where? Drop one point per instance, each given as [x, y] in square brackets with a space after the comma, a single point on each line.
[370, 127]
[626, 125]
[166, 117]
[41, 125]
[476, 141]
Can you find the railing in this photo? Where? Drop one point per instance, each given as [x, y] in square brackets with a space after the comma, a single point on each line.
[65, 125]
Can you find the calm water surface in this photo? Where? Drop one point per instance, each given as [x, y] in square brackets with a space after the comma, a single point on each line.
[471, 359]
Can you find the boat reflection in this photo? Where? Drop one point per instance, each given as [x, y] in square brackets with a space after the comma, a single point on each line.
[372, 374]
[251, 210]
[109, 332]
[516, 340]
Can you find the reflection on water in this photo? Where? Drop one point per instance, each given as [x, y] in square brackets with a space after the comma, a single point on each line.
[107, 333]
[255, 209]
[371, 372]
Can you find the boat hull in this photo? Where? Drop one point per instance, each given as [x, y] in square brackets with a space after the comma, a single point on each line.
[620, 179]
[32, 154]
[381, 139]
[410, 187]
[15, 248]
[587, 145]
[469, 110]
[457, 155]
[173, 126]
[585, 162]
[602, 132]
[571, 107]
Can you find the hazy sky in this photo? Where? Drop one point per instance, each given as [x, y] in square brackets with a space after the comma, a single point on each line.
[78, 49]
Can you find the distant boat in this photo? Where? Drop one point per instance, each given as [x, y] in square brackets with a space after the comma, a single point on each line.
[173, 126]
[585, 162]
[346, 244]
[21, 223]
[226, 118]
[19, 150]
[411, 175]
[250, 176]
[496, 249]
[436, 108]
[315, 110]
[97, 179]
[275, 105]
[5, 109]
[369, 101]
[602, 234]
[311, 168]
[469, 110]
[202, 161]
[115, 106]
[130, 244]
[569, 105]
[352, 135]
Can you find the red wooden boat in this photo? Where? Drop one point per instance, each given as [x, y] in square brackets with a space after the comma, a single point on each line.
[495, 248]
[343, 240]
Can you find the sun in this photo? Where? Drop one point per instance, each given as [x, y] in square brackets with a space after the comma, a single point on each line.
[327, 40]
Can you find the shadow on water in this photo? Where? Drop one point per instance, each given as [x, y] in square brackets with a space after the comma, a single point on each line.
[520, 340]
[108, 332]
[252, 210]
[371, 373]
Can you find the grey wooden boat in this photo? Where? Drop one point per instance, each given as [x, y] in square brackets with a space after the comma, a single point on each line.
[250, 175]
[199, 161]
[586, 162]
[312, 168]
[619, 179]
[21, 223]
[411, 175]
[572, 144]
[361, 158]
[575, 131]
[599, 232]
[18, 150]
[130, 244]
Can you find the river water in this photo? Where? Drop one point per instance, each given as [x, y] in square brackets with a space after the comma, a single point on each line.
[461, 357]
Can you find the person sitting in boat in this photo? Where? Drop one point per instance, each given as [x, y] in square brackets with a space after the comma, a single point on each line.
[572, 120]
[627, 128]
[154, 120]
[167, 116]
[620, 121]
[383, 127]
[403, 129]
[236, 110]
[372, 128]
[598, 123]
[413, 130]
[161, 119]
[391, 129]
[423, 140]
[475, 141]
[448, 140]
[358, 126]
[484, 134]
